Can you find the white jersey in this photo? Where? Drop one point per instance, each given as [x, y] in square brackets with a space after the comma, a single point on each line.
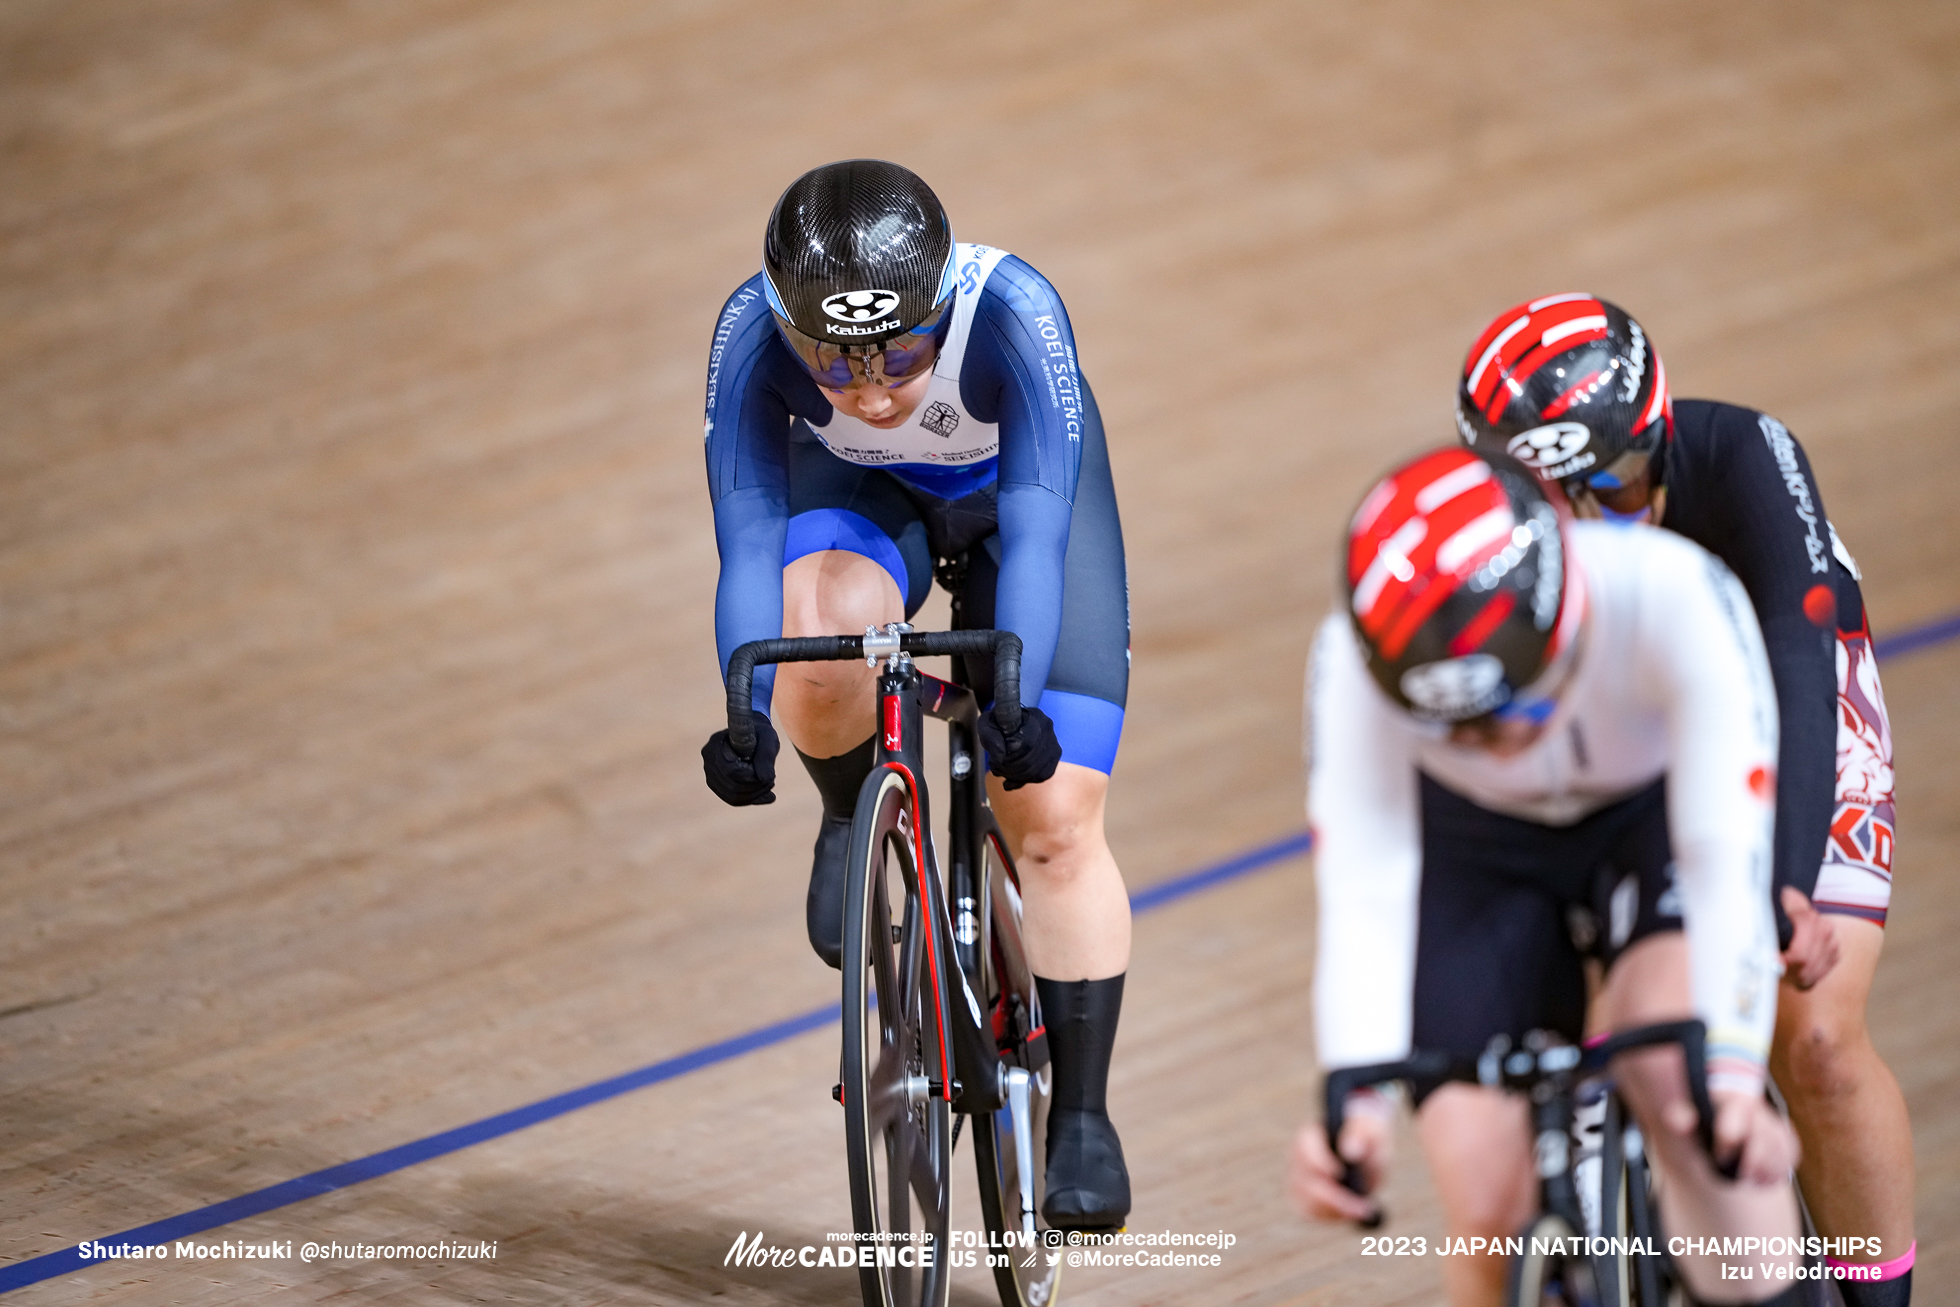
[1670, 679]
[942, 430]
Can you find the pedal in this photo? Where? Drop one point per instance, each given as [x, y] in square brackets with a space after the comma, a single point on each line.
[1035, 1051]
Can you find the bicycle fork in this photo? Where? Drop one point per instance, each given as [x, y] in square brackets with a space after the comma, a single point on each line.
[977, 1081]
[1022, 1115]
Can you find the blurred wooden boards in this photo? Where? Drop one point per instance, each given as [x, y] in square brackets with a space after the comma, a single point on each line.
[355, 571]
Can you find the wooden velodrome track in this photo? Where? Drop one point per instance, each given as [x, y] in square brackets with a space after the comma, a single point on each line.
[355, 563]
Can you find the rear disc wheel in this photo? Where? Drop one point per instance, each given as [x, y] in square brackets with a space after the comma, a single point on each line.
[1024, 1275]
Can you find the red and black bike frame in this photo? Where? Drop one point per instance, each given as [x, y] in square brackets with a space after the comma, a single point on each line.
[972, 1074]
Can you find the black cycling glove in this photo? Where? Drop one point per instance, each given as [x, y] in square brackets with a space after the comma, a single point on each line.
[1027, 757]
[738, 781]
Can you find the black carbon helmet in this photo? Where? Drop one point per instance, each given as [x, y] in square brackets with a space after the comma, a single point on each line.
[1457, 582]
[1570, 386]
[858, 265]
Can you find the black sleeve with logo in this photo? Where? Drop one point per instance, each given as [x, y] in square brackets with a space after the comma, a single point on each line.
[1739, 485]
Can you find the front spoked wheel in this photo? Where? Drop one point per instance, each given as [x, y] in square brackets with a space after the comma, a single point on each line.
[1010, 1145]
[897, 1126]
[1616, 1271]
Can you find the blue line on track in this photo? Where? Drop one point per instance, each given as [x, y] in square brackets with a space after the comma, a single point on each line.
[284, 1194]
[1170, 891]
[1938, 631]
[287, 1192]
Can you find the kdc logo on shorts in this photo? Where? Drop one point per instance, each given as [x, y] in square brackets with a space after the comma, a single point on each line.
[860, 305]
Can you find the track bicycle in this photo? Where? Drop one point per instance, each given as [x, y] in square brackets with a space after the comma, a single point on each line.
[1593, 1175]
[941, 1017]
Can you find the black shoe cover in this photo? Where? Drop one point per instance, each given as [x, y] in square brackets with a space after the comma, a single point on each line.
[838, 780]
[823, 912]
[1088, 1184]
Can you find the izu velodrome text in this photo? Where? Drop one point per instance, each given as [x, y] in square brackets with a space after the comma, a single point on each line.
[1603, 1246]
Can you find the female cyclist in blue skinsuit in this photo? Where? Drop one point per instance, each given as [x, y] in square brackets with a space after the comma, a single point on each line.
[885, 404]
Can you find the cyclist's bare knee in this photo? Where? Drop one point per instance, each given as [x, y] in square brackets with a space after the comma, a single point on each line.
[1077, 922]
[1823, 1049]
[1822, 1054]
[1478, 1142]
[837, 593]
[826, 707]
[1056, 827]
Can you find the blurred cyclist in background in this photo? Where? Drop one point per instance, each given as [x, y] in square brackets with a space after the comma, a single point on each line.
[1521, 723]
[885, 404]
[1573, 387]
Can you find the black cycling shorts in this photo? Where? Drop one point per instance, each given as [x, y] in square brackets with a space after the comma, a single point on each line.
[1511, 908]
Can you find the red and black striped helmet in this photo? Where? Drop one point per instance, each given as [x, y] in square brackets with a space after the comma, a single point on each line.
[1457, 581]
[1569, 386]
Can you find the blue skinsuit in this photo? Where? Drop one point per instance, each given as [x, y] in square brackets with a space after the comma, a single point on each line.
[1003, 462]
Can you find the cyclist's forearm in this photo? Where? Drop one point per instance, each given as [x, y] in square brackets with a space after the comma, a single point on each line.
[1803, 661]
[1365, 961]
[1713, 675]
[1362, 804]
[1034, 528]
[749, 530]
[1778, 547]
[1732, 956]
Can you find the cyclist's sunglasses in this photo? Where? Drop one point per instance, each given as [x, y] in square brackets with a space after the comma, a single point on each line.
[1621, 471]
[891, 362]
[1535, 712]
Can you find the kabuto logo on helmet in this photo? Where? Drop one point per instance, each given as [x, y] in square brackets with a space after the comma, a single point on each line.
[1455, 688]
[856, 306]
[1554, 449]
